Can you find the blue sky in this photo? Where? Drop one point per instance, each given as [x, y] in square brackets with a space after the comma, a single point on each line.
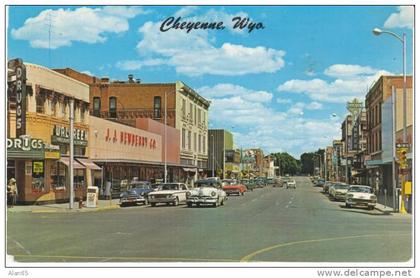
[274, 88]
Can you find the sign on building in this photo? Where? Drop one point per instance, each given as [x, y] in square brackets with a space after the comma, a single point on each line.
[19, 89]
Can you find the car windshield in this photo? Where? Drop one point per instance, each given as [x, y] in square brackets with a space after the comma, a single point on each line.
[229, 182]
[341, 186]
[360, 189]
[206, 183]
[169, 186]
[140, 185]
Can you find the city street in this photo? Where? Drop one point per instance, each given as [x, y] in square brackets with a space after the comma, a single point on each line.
[268, 224]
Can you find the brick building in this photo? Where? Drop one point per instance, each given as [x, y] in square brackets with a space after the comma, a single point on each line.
[125, 101]
[380, 122]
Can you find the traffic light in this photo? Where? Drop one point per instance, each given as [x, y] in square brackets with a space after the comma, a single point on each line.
[402, 157]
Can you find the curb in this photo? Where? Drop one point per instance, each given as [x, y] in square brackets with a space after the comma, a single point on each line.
[84, 210]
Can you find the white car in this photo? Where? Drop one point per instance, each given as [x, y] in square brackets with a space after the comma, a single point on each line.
[360, 195]
[169, 193]
[338, 191]
[207, 191]
[290, 184]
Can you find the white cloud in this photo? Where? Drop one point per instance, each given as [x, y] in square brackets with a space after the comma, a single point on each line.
[230, 59]
[283, 101]
[354, 82]
[138, 64]
[58, 28]
[348, 71]
[184, 11]
[195, 53]
[314, 106]
[231, 90]
[404, 18]
[256, 123]
[88, 73]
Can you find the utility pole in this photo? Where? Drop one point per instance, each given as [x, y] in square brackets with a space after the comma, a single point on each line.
[71, 159]
[165, 169]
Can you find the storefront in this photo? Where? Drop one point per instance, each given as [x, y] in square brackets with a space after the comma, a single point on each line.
[126, 153]
[29, 161]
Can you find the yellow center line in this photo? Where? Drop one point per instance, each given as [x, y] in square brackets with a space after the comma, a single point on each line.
[248, 257]
[124, 258]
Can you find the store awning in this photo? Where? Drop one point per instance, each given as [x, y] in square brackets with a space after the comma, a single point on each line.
[76, 165]
[89, 164]
[189, 169]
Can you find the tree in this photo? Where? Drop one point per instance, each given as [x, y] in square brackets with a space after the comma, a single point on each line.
[310, 161]
[287, 164]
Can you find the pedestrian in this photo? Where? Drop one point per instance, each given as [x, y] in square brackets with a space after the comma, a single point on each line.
[11, 192]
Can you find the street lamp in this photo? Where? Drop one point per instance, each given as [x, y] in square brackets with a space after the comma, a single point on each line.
[212, 168]
[377, 32]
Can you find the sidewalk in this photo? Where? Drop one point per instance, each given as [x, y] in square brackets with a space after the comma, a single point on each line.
[64, 207]
[384, 209]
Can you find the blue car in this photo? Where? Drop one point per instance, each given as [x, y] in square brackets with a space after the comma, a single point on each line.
[137, 193]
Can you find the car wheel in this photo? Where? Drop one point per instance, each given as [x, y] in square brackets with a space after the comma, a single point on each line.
[153, 204]
[176, 203]
[189, 205]
[122, 205]
[371, 207]
[243, 193]
[348, 205]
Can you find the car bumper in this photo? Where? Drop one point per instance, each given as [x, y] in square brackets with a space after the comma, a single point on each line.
[358, 202]
[132, 200]
[202, 200]
[340, 197]
[161, 200]
[233, 192]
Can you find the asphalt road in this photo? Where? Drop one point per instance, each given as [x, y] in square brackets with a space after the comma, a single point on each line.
[268, 224]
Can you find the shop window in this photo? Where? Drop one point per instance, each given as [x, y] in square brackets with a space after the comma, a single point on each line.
[38, 184]
[58, 176]
[79, 179]
[157, 108]
[97, 106]
[113, 107]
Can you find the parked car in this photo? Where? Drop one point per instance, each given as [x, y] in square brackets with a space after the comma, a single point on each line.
[338, 191]
[360, 195]
[233, 187]
[320, 183]
[259, 183]
[291, 184]
[169, 193]
[249, 184]
[271, 182]
[326, 186]
[207, 191]
[137, 192]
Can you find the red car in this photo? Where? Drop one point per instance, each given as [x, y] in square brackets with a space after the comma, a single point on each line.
[233, 187]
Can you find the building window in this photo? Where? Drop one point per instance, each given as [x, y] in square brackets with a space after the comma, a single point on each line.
[199, 116]
[191, 112]
[189, 140]
[64, 109]
[113, 107]
[204, 144]
[183, 108]
[97, 106]
[195, 115]
[195, 141]
[40, 103]
[183, 138]
[157, 108]
[54, 107]
[82, 113]
[199, 143]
